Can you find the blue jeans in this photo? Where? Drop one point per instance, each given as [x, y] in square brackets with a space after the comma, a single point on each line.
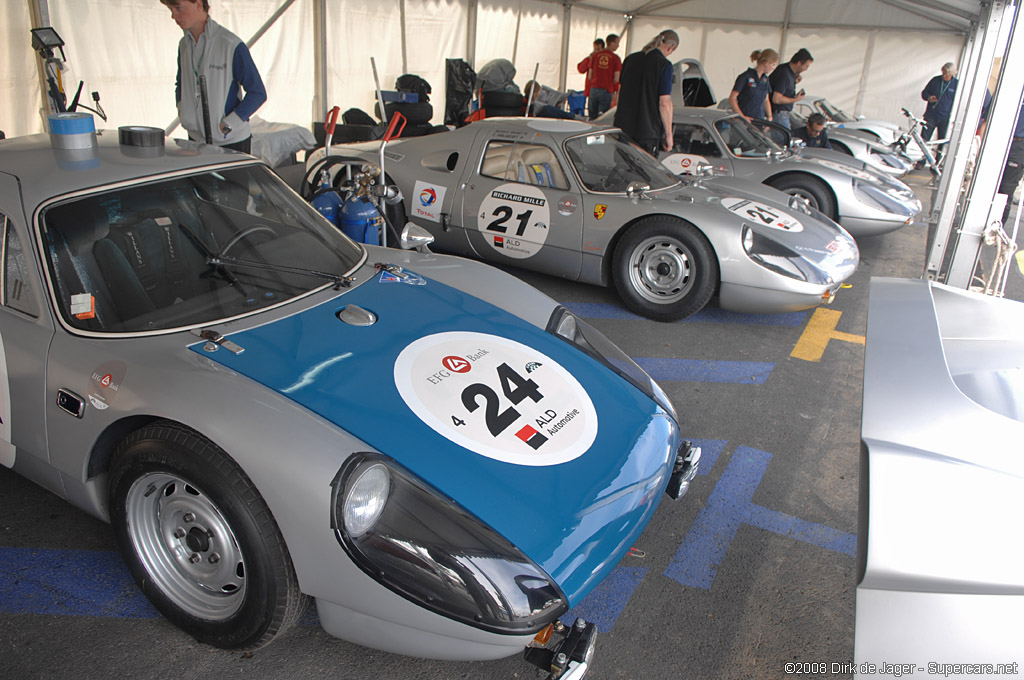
[782, 118]
[600, 101]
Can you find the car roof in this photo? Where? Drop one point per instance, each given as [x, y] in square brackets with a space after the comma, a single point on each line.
[702, 112]
[45, 171]
[557, 128]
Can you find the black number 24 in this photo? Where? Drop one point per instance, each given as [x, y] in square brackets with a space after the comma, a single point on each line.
[515, 387]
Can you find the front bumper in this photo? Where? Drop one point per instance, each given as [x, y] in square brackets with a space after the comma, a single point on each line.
[569, 657]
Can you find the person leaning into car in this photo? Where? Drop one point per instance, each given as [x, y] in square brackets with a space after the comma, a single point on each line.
[939, 93]
[783, 81]
[645, 94]
[813, 133]
[751, 93]
[208, 49]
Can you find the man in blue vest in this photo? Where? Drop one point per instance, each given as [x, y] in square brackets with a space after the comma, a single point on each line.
[939, 93]
[234, 87]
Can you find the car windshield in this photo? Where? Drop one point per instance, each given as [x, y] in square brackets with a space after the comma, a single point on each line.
[744, 139]
[188, 250]
[608, 163]
[833, 112]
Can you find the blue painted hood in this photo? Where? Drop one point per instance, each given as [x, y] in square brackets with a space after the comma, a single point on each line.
[575, 518]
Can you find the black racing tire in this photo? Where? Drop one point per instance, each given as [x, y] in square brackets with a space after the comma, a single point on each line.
[199, 539]
[664, 268]
[501, 100]
[815, 191]
[414, 112]
[496, 111]
[356, 133]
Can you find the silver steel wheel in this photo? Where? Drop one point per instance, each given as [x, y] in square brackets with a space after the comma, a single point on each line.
[661, 269]
[186, 545]
[811, 199]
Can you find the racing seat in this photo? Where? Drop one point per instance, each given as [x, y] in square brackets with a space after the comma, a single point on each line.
[496, 163]
[542, 168]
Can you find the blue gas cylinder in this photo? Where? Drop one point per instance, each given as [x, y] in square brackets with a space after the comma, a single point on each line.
[327, 201]
[361, 221]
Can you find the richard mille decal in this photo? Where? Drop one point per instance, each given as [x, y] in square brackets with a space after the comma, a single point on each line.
[513, 219]
[496, 397]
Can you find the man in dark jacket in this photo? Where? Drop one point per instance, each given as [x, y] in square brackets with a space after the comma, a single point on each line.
[783, 81]
[939, 93]
[813, 133]
[645, 94]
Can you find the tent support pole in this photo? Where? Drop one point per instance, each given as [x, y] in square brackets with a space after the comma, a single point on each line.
[564, 57]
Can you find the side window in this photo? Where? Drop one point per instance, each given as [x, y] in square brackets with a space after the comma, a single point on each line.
[525, 163]
[694, 139]
[17, 284]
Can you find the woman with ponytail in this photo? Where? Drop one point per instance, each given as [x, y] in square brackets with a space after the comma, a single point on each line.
[751, 94]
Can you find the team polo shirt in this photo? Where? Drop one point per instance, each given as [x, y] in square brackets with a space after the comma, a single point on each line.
[783, 81]
[752, 91]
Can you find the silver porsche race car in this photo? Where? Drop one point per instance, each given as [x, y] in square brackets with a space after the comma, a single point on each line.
[269, 412]
[579, 201]
[864, 201]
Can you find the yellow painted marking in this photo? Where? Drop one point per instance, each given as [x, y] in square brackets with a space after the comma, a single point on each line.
[1020, 260]
[820, 329]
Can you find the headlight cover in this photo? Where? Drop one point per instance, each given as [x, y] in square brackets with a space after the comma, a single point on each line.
[424, 547]
[776, 257]
[572, 329]
[880, 198]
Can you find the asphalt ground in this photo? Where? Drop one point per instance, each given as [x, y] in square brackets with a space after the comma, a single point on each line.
[753, 569]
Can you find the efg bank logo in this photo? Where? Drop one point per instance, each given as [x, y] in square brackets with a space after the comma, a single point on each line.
[428, 196]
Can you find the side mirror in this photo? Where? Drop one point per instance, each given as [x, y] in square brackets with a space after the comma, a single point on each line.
[415, 237]
[637, 190]
[704, 170]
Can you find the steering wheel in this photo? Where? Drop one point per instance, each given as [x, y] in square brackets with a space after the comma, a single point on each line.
[244, 234]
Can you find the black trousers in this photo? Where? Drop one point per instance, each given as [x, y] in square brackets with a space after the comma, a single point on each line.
[1012, 172]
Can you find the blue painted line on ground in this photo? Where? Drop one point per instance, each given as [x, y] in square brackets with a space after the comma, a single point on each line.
[692, 370]
[603, 310]
[710, 450]
[605, 603]
[730, 506]
[70, 583]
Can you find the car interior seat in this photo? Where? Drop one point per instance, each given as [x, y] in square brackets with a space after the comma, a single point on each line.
[542, 168]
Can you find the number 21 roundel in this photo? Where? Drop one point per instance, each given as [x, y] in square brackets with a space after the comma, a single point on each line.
[514, 219]
[496, 397]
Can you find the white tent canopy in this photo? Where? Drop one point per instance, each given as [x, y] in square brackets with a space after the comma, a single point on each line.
[872, 57]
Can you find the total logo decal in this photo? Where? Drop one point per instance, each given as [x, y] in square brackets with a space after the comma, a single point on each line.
[428, 201]
[497, 398]
[763, 215]
[682, 163]
[514, 220]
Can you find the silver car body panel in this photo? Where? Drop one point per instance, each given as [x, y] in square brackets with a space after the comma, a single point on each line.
[941, 479]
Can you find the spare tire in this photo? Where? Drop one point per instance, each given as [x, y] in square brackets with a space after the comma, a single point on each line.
[414, 112]
[501, 99]
[357, 133]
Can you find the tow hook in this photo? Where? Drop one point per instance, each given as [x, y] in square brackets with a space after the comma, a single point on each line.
[569, 658]
[687, 460]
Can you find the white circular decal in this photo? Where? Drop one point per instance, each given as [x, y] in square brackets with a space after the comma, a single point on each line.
[848, 170]
[514, 218]
[682, 163]
[761, 214]
[496, 397]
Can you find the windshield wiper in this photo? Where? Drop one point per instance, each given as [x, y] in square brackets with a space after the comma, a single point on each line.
[222, 261]
[208, 254]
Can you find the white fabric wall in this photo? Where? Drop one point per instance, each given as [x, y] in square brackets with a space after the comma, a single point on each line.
[126, 50]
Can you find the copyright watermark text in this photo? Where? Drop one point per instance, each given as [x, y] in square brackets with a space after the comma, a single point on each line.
[899, 670]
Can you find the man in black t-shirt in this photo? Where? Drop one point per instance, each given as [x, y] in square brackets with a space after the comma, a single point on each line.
[645, 94]
[784, 80]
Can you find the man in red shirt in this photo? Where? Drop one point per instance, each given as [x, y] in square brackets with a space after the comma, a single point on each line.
[584, 66]
[605, 67]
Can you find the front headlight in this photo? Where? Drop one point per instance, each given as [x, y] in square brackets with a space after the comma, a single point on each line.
[571, 328]
[778, 258]
[412, 540]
